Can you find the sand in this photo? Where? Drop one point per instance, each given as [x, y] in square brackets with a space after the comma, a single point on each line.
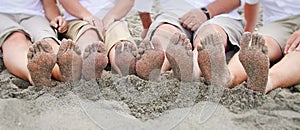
[115, 102]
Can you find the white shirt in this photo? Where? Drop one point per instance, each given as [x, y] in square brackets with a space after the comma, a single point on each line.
[98, 8]
[31, 7]
[277, 9]
[180, 7]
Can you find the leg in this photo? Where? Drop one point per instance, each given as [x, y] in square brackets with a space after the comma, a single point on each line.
[180, 56]
[69, 61]
[15, 49]
[285, 73]
[150, 58]
[255, 61]
[211, 57]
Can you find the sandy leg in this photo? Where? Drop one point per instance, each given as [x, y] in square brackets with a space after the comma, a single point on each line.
[212, 61]
[41, 60]
[94, 61]
[125, 57]
[180, 55]
[150, 58]
[255, 61]
[69, 61]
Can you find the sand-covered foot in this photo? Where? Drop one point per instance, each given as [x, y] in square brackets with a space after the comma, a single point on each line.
[69, 61]
[179, 54]
[150, 58]
[125, 57]
[94, 61]
[253, 57]
[212, 61]
[41, 60]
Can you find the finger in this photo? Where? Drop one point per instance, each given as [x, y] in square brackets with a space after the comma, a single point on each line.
[60, 21]
[195, 27]
[53, 23]
[181, 19]
[297, 41]
[295, 44]
[288, 44]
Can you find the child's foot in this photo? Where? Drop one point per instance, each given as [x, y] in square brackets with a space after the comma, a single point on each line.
[150, 58]
[180, 55]
[94, 61]
[253, 57]
[41, 60]
[69, 61]
[125, 57]
[212, 61]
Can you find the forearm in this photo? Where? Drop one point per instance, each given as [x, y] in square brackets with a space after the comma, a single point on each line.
[251, 13]
[121, 9]
[222, 6]
[146, 19]
[75, 8]
[51, 9]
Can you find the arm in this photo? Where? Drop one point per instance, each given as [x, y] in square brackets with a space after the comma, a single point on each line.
[52, 13]
[146, 22]
[119, 11]
[194, 18]
[251, 13]
[75, 9]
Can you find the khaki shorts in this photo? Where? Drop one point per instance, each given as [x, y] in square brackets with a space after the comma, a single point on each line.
[34, 27]
[281, 30]
[232, 27]
[118, 31]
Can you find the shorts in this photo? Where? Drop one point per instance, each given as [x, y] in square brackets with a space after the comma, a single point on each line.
[118, 31]
[281, 30]
[233, 27]
[33, 26]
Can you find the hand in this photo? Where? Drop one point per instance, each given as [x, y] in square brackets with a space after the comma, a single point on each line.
[293, 42]
[98, 23]
[60, 24]
[193, 19]
[107, 21]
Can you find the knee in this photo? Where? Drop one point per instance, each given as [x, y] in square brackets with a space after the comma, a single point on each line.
[167, 28]
[17, 36]
[91, 32]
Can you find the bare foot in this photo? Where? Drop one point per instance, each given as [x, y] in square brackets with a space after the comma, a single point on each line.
[180, 55]
[255, 61]
[69, 61]
[150, 58]
[212, 61]
[94, 61]
[125, 57]
[41, 60]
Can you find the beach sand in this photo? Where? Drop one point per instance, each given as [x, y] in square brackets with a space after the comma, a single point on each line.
[115, 102]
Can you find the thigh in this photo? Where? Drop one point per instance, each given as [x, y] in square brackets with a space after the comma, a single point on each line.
[8, 25]
[39, 27]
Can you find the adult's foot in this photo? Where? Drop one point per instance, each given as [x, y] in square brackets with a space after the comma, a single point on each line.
[253, 57]
[69, 61]
[212, 61]
[41, 60]
[94, 61]
[125, 57]
[180, 55]
[150, 58]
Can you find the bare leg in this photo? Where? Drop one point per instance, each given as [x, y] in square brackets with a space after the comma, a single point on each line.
[150, 59]
[212, 61]
[94, 61]
[180, 56]
[41, 60]
[69, 61]
[285, 73]
[124, 58]
[255, 61]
